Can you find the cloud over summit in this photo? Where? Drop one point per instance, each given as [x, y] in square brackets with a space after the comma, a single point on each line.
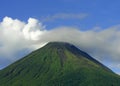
[16, 36]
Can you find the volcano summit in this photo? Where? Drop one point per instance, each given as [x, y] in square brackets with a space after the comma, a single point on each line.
[58, 64]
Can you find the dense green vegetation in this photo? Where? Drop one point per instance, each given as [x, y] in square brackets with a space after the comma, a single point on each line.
[58, 64]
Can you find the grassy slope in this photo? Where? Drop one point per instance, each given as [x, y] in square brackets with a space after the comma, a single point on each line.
[44, 68]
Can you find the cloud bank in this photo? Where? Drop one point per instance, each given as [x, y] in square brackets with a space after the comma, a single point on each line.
[17, 36]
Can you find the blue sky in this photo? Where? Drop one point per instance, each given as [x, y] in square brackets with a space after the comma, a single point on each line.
[85, 15]
[100, 13]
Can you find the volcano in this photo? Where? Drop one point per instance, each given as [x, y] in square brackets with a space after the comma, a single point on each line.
[58, 64]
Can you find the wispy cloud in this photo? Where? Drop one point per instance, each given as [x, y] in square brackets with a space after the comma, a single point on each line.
[64, 16]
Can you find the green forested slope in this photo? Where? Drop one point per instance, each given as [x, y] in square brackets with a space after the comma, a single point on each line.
[58, 64]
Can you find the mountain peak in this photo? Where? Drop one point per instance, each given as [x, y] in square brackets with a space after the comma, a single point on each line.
[58, 64]
[61, 47]
[58, 44]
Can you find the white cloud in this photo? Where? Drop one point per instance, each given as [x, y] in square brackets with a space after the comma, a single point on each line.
[16, 35]
[104, 43]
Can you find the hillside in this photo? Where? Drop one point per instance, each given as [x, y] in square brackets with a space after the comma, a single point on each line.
[58, 64]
